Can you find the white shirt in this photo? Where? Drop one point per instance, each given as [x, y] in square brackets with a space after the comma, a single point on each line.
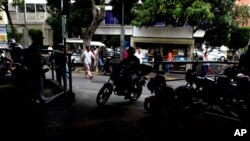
[87, 57]
[140, 56]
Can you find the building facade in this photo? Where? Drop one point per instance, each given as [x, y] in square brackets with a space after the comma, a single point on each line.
[31, 16]
[179, 40]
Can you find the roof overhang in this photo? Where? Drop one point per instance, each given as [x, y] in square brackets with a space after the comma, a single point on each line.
[163, 40]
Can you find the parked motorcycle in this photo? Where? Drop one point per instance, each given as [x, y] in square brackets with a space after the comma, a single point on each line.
[116, 85]
[5, 70]
[164, 99]
[225, 95]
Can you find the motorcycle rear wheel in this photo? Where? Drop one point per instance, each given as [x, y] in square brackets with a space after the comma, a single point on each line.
[104, 94]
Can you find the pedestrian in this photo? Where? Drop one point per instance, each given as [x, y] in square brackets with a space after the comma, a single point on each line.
[87, 57]
[94, 59]
[139, 54]
[100, 58]
[169, 57]
[16, 50]
[50, 48]
[60, 65]
[205, 66]
[125, 52]
[33, 61]
[157, 60]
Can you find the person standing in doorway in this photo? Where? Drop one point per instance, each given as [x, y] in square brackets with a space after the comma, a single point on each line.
[87, 56]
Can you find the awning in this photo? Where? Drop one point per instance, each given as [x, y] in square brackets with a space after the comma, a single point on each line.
[162, 40]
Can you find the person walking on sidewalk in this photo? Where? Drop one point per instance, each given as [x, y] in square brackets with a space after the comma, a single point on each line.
[87, 57]
[205, 66]
[169, 57]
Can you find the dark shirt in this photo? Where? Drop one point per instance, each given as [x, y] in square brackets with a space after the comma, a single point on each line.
[60, 60]
[32, 58]
[157, 57]
[131, 64]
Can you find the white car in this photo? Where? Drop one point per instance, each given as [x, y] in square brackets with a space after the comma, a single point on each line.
[213, 55]
[216, 55]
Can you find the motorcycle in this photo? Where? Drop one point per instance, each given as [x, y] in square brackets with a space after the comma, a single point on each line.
[117, 86]
[225, 95]
[164, 99]
[5, 70]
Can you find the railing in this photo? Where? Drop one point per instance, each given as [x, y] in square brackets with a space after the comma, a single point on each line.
[51, 63]
[215, 67]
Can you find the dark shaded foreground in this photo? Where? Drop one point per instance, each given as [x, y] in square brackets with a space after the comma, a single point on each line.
[116, 121]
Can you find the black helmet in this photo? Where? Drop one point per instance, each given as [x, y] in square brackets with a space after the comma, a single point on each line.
[131, 51]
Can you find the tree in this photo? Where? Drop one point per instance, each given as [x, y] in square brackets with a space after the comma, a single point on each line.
[213, 16]
[97, 18]
[54, 20]
[4, 5]
[83, 17]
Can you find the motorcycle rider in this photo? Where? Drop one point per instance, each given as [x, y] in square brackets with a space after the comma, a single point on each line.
[131, 67]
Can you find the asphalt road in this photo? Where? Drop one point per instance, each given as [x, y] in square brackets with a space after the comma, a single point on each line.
[120, 119]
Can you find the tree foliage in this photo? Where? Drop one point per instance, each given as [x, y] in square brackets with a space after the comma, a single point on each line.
[239, 38]
[216, 17]
[83, 18]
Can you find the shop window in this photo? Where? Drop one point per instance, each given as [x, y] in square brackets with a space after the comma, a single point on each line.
[30, 8]
[40, 7]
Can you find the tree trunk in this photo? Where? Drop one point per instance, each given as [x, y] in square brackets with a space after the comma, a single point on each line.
[98, 17]
[6, 10]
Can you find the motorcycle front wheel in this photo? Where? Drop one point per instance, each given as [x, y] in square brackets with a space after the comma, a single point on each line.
[135, 92]
[104, 94]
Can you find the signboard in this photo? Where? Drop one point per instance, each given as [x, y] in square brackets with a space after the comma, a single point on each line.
[3, 36]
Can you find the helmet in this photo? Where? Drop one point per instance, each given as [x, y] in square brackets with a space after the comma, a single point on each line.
[12, 41]
[131, 51]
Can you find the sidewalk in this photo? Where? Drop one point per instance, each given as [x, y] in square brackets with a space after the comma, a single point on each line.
[172, 76]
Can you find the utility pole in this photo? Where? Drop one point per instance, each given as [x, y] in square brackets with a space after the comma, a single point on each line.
[63, 20]
[122, 33]
[25, 29]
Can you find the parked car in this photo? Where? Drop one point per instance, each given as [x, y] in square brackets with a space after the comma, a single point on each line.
[213, 55]
[179, 66]
[216, 55]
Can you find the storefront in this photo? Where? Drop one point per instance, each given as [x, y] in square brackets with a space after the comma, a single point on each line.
[179, 40]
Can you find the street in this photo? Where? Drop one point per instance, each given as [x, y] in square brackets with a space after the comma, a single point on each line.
[120, 119]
